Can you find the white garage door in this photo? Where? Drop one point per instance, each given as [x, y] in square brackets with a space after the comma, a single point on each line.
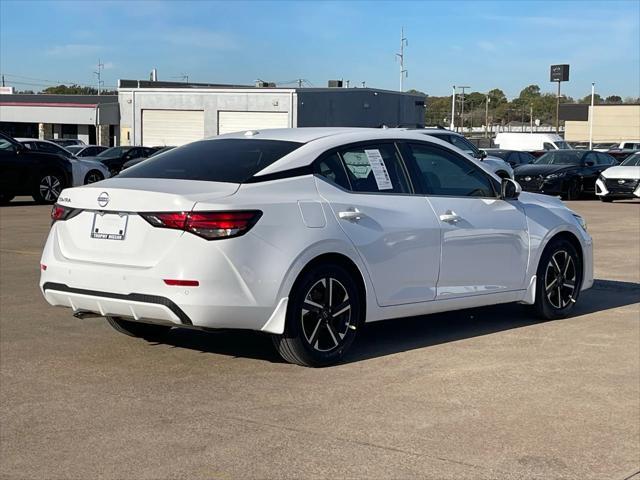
[171, 127]
[229, 122]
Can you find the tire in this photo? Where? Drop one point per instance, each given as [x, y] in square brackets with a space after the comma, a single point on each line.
[319, 331]
[93, 176]
[606, 199]
[138, 329]
[48, 187]
[573, 191]
[5, 198]
[502, 174]
[552, 303]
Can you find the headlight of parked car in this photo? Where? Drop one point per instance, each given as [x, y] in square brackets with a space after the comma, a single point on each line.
[553, 176]
[581, 221]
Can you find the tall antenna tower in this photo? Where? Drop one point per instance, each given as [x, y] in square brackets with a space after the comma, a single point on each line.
[403, 71]
[99, 75]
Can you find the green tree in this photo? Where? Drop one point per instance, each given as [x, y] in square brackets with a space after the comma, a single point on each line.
[496, 97]
[76, 90]
[587, 99]
[613, 99]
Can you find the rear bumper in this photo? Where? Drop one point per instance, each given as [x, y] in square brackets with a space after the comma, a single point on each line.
[236, 290]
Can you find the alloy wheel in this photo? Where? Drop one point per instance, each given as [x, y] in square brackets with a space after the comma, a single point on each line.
[93, 177]
[326, 314]
[560, 279]
[50, 188]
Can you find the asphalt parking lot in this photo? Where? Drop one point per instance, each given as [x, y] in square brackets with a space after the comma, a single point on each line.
[478, 394]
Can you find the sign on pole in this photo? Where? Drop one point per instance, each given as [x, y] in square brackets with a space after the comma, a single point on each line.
[559, 73]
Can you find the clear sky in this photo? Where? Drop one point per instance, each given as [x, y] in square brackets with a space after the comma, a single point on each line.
[504, 44]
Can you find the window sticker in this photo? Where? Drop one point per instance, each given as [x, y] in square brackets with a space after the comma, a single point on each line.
[380, 172]
[358, 164]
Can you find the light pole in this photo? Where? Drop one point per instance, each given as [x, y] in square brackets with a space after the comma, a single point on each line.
[453, 110]
[593, 92]
[531, 118]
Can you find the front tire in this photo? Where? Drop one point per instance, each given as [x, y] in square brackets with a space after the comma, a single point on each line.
[92, 177]
[322, 317]
[573, 191]
[558, 281]
[138, 329]
[48, 187]
[606, 199]
[5, 198]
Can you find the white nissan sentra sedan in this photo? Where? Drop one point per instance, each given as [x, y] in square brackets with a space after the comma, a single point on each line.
[306, 234]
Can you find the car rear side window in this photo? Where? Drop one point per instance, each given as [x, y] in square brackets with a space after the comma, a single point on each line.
[232, 160]
[331, 168]
[375, 168]
[444, 173]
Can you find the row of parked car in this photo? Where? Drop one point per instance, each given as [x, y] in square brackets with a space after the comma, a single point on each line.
[541, 163]
[43, 168]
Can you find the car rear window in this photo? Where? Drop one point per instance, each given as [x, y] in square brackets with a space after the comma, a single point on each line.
[231, 160]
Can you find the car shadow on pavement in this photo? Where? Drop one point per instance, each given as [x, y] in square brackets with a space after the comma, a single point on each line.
[388, 337]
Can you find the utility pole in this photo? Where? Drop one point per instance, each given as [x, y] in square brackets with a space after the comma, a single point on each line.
[462, 107]
[403, 72]
[99, 75]
[591, 112]
[300, 83]
[3, 80]
[486, 117]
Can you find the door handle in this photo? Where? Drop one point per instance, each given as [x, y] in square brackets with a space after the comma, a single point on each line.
[353, 215]
[450, 217]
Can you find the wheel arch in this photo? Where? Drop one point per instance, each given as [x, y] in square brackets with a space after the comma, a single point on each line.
[345, 262]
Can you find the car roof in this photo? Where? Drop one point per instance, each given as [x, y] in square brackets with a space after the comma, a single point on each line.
[318, 140]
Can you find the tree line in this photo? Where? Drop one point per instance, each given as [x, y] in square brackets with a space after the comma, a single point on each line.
[71, 90]
[531, 104]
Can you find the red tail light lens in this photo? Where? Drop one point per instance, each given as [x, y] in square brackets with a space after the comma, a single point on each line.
[208, 225]
[59, 212]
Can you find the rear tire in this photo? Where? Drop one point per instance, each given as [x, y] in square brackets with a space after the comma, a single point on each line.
[138, 329]
[558, 282]
[48, 187]
[322, 317]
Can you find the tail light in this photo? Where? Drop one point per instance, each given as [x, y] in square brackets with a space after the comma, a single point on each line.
[208, 225]
[59, 212]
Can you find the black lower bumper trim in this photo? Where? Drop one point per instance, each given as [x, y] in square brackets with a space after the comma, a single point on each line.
[134, 297]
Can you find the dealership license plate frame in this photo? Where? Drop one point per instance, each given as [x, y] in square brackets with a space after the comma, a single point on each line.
[109, 225]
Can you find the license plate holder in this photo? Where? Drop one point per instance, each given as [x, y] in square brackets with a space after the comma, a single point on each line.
[109, 226]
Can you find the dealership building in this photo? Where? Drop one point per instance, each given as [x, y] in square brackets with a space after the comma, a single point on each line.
[95, 119]
[611, 122]
[155, 113]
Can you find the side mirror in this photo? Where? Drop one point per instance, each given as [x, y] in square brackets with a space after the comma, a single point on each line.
[510, 189]
[481, 155]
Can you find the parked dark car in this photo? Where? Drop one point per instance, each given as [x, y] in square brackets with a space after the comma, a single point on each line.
[116, 157]
[86, 150]
[136, 161]
[26, 172]
[67, 142]
[512, 157]
[568, 173]
[46, 146]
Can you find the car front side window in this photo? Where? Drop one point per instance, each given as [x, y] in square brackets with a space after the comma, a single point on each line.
[444, 173]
